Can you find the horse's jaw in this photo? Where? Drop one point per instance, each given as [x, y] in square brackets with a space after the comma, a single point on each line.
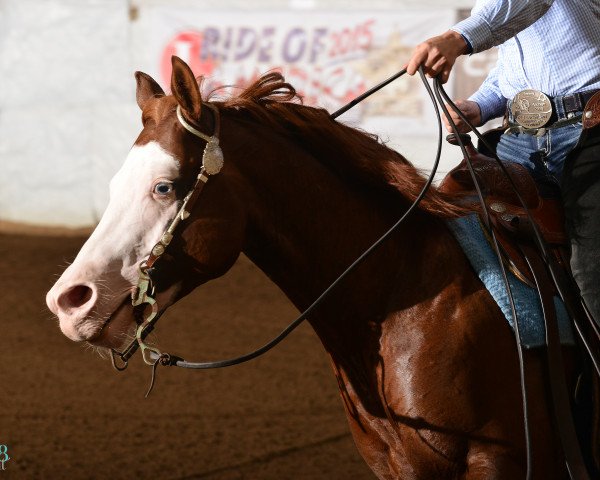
[119, 329]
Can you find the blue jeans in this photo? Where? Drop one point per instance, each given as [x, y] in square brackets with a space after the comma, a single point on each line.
[545, 157]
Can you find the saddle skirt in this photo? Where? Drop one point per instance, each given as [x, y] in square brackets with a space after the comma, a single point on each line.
[514, 205]
[468, 232]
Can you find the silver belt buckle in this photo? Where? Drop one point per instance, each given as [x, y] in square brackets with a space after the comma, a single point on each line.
[531, 109]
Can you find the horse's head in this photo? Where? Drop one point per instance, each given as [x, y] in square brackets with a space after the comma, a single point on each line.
[92, 297]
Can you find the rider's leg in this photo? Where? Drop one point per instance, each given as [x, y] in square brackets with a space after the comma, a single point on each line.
[581, 196]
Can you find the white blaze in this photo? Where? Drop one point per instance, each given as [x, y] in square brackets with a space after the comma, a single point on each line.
[108, 262]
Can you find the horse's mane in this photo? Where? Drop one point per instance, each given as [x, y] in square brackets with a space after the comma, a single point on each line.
[352, 153]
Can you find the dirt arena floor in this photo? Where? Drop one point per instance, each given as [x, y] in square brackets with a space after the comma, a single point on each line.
[65, 413]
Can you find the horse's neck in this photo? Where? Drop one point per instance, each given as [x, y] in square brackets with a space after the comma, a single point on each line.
[307, 225]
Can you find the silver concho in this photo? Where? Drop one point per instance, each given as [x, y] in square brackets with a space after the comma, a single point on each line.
[498, 207]
[212, 158]
[531, 109]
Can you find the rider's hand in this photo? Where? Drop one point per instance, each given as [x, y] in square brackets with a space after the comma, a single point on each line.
[470, 110]
[438, 54]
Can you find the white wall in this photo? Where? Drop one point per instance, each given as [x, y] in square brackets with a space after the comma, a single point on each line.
[66, 116]
[67, 108]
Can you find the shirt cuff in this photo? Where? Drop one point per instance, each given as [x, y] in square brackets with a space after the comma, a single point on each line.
[477, 32]
[490, 105]
[469, 45]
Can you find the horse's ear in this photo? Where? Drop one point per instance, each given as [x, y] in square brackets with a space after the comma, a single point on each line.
[185, 88]
[146, 88]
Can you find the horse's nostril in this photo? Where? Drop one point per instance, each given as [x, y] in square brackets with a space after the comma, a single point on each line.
[75, 297]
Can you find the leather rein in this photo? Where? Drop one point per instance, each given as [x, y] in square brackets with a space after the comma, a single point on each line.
[212, 162]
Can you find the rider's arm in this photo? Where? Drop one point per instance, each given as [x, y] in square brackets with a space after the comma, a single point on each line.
[489, 97]
[492, 22]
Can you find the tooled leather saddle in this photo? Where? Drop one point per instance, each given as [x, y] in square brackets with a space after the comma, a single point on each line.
[515, 208]
[512, 208]
[533, 243]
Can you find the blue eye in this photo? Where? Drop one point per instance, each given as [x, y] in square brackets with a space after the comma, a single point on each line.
[163, 188]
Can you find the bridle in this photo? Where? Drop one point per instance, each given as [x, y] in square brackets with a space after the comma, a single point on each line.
[143, 295]
[212, 162]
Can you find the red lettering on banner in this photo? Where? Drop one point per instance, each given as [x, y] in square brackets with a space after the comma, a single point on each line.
[349, 41]
[186, 45]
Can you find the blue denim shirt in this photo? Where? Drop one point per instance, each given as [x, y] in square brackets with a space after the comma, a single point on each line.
[548, 45]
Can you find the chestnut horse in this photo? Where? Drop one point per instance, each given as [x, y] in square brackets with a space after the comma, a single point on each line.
[426, 364]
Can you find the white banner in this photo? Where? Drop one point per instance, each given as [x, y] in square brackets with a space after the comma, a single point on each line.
[330, 58]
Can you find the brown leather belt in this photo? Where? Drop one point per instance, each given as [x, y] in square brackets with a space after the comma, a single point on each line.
[576, 101]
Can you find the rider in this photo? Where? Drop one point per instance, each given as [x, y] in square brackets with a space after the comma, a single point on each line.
[550, 46]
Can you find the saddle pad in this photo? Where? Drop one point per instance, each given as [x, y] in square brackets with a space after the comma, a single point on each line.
[484, 261]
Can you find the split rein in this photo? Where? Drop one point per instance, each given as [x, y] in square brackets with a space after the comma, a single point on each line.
[212, 162]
